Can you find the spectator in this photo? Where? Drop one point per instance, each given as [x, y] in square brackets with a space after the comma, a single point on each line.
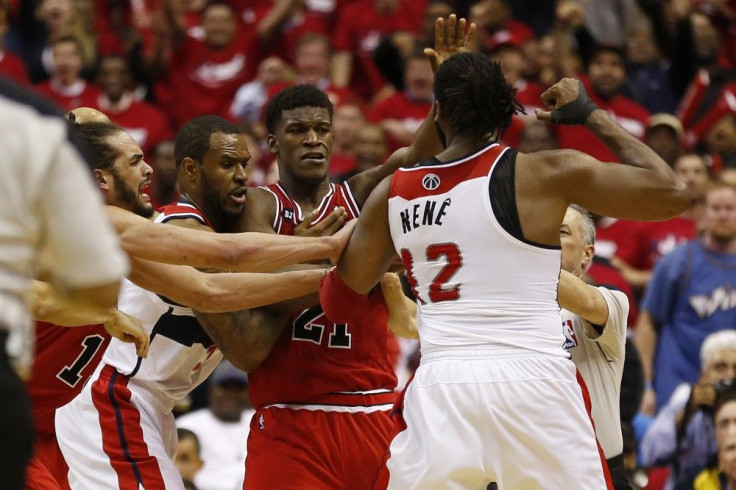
[164, 182]
[607, 74]
[723, 476]
[11, 65]
[690, 295]
[370, 150]
[699, 45]
[496, 26]
[188, 455]
[144, 122]
[648, 80]
[250, 99]
[529, 93]
[401, 114]
[222, 429]
[67, 87]
[216, 65]
[664, 135]
[281, 25]
[359, 29]
[651, 241]
[682, 435]
[312, 63]
[346, 124]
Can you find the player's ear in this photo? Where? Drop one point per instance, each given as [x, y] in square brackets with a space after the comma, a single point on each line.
[100, 178]
[273, 145]
[588, 254]
[437, 111]
[189, 167]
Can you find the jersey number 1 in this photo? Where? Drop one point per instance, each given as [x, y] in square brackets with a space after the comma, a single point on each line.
[438, 290]
[71, 374]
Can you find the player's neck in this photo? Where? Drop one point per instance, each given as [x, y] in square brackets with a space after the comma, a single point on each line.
[461, 146]
[307, 194]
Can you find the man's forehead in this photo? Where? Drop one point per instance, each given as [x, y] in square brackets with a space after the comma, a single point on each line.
[305, 114]
[228, 142]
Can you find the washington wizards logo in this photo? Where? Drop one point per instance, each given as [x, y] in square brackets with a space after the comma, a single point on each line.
[431, 182]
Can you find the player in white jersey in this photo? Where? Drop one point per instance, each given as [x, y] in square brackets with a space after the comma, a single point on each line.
[594, 325]
[119, 432]
[495, 398]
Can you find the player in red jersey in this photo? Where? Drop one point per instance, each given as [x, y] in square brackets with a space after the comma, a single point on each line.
[329, 425]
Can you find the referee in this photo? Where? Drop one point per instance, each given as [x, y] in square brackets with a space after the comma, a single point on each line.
[52, 223]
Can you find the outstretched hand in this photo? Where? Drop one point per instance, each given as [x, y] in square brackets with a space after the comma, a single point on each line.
[450, 39]
[569, 102]
[328, 226]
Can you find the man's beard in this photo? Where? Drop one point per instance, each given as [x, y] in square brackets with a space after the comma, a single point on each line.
[216, 205]
[129, 197]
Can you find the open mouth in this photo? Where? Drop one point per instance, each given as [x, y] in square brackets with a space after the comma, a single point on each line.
[239, 195]
[144, 190]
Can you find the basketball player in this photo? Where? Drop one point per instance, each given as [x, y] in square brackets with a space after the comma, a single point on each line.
[118, 431]
[328, 427]
[594, 325]
[478, 230]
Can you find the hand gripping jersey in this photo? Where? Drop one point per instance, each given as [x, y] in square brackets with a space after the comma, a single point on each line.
[181, 355]
[477, 284]
[316, 361]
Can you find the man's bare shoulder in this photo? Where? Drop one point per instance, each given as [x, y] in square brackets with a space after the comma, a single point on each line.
[260, 208]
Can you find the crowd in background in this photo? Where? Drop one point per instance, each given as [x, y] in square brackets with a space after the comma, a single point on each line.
[664, 69]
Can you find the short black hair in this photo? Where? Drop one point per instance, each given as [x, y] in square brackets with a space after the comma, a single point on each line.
[294, 98]
[93, 136]
[193, 140]
[474, 96]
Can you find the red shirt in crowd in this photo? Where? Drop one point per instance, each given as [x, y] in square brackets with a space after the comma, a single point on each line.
[292, 31]
[79, 94]
[650, 241]
[359, 29]
[632, 116]
[13, 67]
[145, 123]
[203, 80]
[402, 107]
[530, 96]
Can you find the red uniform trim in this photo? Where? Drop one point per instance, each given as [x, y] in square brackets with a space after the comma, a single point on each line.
[122, 435]
[588, 405]
[407, 182]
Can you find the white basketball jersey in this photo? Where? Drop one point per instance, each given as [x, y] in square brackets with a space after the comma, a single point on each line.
[600, 361]
[477, 285]
[181, 354]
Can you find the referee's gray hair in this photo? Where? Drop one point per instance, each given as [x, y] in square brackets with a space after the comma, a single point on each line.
[587, 226]
[716, 342]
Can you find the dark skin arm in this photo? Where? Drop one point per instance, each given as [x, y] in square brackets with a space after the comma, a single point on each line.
[370, 251]
[642, 187]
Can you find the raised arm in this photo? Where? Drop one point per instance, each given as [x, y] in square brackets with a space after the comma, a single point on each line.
[642, 187]
[251, 252]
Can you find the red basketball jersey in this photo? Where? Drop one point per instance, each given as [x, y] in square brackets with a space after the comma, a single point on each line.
[65, 358]
[316, 361]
